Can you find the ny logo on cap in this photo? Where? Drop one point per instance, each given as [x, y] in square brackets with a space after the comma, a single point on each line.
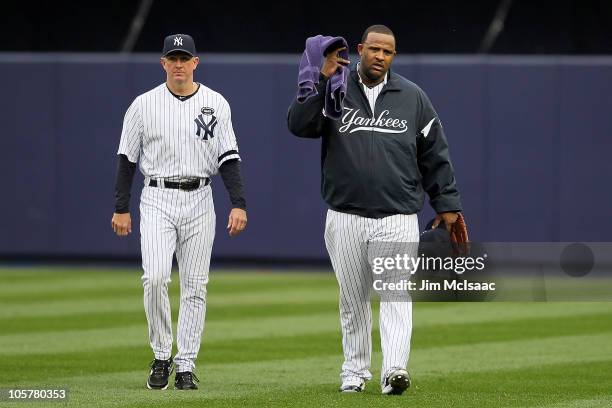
[178, 41]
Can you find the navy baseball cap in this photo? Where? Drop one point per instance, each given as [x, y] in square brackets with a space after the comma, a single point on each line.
[179, 43]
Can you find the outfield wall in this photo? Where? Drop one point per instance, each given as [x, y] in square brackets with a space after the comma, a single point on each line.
[530, 139]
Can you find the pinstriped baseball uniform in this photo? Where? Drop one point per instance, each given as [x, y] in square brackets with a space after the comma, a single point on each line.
[348, 238]
[176, 138]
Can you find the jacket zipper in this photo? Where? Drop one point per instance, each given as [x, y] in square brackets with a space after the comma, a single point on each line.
[370, 160]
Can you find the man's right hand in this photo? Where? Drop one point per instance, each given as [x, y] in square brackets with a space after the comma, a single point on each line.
[333, 62]
[122, 224]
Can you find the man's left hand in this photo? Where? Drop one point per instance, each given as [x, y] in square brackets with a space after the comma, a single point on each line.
[455, 225]
[449, 219]
[237, 221]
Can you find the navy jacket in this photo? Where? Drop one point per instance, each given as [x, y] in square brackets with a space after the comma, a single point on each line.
[377, 164]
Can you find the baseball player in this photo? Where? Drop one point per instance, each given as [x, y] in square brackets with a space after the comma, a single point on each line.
[387, 148]
[181, 134]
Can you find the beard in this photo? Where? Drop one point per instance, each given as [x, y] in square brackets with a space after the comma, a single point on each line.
[371, 75]
[374, 75]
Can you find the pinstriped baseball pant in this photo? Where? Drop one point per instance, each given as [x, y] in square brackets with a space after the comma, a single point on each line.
[348, 238]
[182, 222]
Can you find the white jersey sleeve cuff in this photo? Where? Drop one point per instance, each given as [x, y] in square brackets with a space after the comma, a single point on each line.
[229, 155]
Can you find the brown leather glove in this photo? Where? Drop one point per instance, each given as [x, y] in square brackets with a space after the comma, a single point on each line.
[459, 237]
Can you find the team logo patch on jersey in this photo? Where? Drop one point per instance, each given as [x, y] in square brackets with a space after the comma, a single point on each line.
[207, 126]
[207, 111]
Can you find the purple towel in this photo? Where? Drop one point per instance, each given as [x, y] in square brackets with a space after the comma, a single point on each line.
[310, 68]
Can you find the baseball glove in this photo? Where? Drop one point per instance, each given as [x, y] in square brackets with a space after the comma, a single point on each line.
[459, 237]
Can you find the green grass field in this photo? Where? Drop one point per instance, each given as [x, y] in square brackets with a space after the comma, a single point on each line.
[273, 339]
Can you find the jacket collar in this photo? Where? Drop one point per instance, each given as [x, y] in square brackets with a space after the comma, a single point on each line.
[393, 80]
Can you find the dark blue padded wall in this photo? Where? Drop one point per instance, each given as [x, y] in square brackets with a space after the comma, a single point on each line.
[530, 140]
[28, 164]
[585, 145]
[522, 126]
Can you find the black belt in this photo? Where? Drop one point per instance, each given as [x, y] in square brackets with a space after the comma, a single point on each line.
[187, 185]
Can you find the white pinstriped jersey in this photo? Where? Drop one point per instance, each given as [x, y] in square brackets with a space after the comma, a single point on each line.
[373, 92]
[174, 138]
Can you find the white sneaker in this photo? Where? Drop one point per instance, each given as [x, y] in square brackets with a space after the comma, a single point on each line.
[354, 384]
[396, 382]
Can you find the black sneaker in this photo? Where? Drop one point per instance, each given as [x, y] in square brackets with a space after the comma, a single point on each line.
[160, 371]
[185, 381]
[396, 382]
